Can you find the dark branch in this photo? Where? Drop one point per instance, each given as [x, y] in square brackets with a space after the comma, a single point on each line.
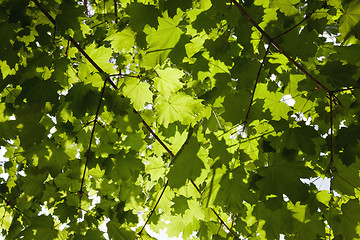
[256, 82]
[116, 11]
[72, 40]
[8, 203]
[98, 68]
[153, 210]
[331, 132]
[223, 223]
[86, 9]
[346, 89]
[251, 20]
[292, 28]
[91, 140]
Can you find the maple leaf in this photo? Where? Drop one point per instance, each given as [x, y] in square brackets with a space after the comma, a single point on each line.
[178, 107]
[168, 81]
[187, 165]
[138, 92]
[283, 177]
[191, 131]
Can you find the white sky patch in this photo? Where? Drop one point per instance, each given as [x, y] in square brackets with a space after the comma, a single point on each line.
[3, 175]
[288, 100]
[330, 38]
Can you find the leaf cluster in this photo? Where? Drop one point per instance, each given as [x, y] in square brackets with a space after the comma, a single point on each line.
[214, 119]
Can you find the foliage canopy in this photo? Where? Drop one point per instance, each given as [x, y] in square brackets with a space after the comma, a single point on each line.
[212, 116]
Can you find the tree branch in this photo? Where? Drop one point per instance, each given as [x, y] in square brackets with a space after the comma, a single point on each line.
[72, 40]
[8, 203]
[256, 82]
[153, 210]
[91, 139]
[346, 89]
[271, 42]
[86, 9]
[116, 11]
[292, 28]
[331, 132]
[223, 223]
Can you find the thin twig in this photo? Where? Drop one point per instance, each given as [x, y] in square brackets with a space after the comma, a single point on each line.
[91, 140]
[8, 203]
[196, 187]
[86, 9]
[124, 75]
[72, 40]
[256, 82]
[153, 210]
[331, 132]
[223, 223]
[116, 11]
[346, 89]
[270, 39]
[292, 28]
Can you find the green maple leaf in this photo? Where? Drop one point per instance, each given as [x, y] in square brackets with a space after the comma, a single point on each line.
[57, 160]
[138, 92]
[277, 221]
[346, 178]
[122, 41]
[141, 15]
[116, 232]
[303, 138]
[347, 223]
[349, 21]
[283, 177]
[126, 165]
[218, 153]
[161, 41]
[273, 102]
[168, 81]
[233, 190]
[41, 227]
[236, 106]
[187, 165]
[101, 55]
[305, 39]
[156, 168]
[83, 99]
[68, 18]
[286, 6]
[178, 107]
[46, 91]
[180, 204]
[338, 74]
[34, 185]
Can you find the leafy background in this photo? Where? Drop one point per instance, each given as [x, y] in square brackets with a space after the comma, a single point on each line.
[210, 118]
